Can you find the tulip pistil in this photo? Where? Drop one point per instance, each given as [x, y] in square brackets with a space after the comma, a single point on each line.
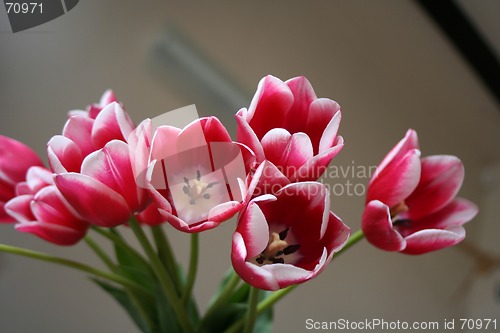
[276, 249]
[196, 189]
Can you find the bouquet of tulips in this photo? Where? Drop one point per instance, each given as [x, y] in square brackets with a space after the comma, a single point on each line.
[105, 173]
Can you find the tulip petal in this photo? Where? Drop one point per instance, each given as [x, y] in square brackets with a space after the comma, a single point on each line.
[95, 202]
[64, 154]
[269, 106]
[396, 181]
[408, 143]
[112, 123]
[441, 178]
[20, 208]
[303, 96]
[79, 129]
[428, 240]
[111, 166]
[15, 159]
[287, 151]
[329, 136]
[377, 227]
[246, 136]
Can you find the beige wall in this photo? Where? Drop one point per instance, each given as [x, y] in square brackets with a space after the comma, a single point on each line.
[383, 61]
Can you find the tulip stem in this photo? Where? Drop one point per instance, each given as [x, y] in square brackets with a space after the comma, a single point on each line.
[277, 295]
[100, 253]
[193, 268]
[74, 264]
[166, 255]
[162, 275]
[224, 295]
[253, 300]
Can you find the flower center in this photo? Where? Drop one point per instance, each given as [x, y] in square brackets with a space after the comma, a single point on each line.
[279, 250]
[398, 209]
[196, 189]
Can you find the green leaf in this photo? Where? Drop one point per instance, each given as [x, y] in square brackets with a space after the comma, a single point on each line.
[123, 298]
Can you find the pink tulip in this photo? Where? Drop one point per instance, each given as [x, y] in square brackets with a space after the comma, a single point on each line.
[104, 193]
[194, 175]
[86, 132]
[15, 160]
[287, 238]
[41, 210]
[289, 126]
[411, 205]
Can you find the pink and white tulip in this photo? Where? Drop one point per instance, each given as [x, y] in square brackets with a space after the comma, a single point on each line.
[287, 238]
[15, 160]
[86, 132]
[289, 126]
[40, 209]
[194, 175]
[104, 192]
[411, 205]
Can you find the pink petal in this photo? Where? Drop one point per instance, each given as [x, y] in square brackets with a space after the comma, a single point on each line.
[19, 208]
[64, 154]
[329, 135]
[150, 215]
[266, 179]
[377, 227]
[270, 106]
[214, 131]
[12, 150]
[253, 227]
[164, 142]
[441, 178]
[433, 239]
[53, 233]
[288, 152]
[246, 136]
[112, 123]
[394, 183]
[408, 143]
[252, 274]
[316, 166]
[111, 166]
[79, 129]
[303, 95]
[95, 202]
[36, 179]
[139, 142]
[4, 217]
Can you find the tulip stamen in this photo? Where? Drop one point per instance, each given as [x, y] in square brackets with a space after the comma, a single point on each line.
[398, 209]
[196, 189]
[276, 249]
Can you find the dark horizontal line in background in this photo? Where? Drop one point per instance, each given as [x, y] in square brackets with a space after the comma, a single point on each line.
[471, 44]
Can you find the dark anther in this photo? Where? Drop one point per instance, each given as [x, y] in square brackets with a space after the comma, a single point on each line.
[186, 181]
[192, 202]
[278, 261]
[185, 189]
[402, 222]
[198, 175]
[283, 234]
[260, 260]
[206, 196]
[291, 249]
[279, 253]
[211, 184]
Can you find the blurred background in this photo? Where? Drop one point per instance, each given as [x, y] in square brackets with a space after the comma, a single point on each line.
[386, 62]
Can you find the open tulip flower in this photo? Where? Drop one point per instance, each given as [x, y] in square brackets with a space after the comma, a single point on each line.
[195, 174]
[410, 201]
[15, 160]
[41, 210]
[287, 238]
[289, 126]
[106, 173]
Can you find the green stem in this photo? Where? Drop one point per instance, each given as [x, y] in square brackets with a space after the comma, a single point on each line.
[162, 275]
[166, 255]
[278, 295]
[136, 301]
[253, 299]
[193, 268]
[100, 253]
[73, 264]
[225, 294]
